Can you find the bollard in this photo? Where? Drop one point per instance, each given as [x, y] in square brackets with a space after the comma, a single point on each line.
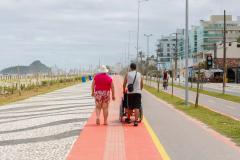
[83, 79]
[90, 77]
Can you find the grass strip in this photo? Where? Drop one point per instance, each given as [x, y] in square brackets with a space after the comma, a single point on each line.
[220, 123]
[33, 92]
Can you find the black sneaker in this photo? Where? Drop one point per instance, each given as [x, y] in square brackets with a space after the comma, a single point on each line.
[135, 123]
[128, 120]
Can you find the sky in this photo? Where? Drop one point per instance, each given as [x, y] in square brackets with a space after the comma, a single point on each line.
[77, 33]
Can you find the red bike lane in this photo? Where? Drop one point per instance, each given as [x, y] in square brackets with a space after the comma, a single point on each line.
[116, 141]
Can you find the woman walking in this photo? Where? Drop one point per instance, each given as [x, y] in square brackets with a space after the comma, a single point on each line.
[101, 87]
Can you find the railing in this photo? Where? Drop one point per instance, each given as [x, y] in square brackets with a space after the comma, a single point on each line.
[10, 84]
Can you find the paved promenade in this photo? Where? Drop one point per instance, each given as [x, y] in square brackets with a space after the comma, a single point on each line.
[61, 125]
[44, 127]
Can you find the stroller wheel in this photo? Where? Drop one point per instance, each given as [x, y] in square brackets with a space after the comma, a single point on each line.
[121, 119]
[121, 113]
[140, 115]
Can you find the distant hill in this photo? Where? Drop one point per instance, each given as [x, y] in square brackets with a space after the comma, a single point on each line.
[35, 67]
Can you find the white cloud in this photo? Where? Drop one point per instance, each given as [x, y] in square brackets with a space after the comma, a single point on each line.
[71, 32]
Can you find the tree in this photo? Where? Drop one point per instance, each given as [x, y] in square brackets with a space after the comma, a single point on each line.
[199, 77]
[238, 39]
[148, 68]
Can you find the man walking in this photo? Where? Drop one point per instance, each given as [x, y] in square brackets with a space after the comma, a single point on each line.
[134, 83]
[165, 79]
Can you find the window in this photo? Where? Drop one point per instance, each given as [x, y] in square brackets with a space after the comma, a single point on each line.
[238, 45]
[168, 45]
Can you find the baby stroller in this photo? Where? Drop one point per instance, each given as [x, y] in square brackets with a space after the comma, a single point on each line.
[122, 110]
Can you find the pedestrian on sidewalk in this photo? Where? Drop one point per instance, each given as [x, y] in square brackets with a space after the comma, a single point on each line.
[165, 79]
[134, 82]
[101, 86]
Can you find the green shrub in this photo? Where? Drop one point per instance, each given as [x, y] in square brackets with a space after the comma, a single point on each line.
[22, 86]
[29, 87]
[44, 83]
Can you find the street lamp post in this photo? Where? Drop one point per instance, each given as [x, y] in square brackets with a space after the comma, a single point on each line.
[138, 28]
[129, 44]
[148, 52]
[186, 55]
[141, 61]
[148, 36]
[172, 74]
[175, 55]
[224, 54]
[174, 59]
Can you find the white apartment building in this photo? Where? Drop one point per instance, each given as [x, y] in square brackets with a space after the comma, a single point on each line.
[204, 36]
[232, 50]
[165, 49]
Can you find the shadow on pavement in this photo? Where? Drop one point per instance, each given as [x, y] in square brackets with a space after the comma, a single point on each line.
[63, 135]
[46, 125]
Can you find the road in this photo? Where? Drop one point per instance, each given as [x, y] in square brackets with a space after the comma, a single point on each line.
[231, 88]
[44, 127]
[225, 107]
[185, 138]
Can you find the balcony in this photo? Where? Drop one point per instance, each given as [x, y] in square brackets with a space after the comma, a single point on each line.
[212, 35]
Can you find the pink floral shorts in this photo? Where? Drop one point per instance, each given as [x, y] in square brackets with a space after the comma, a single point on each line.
[102, 97]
